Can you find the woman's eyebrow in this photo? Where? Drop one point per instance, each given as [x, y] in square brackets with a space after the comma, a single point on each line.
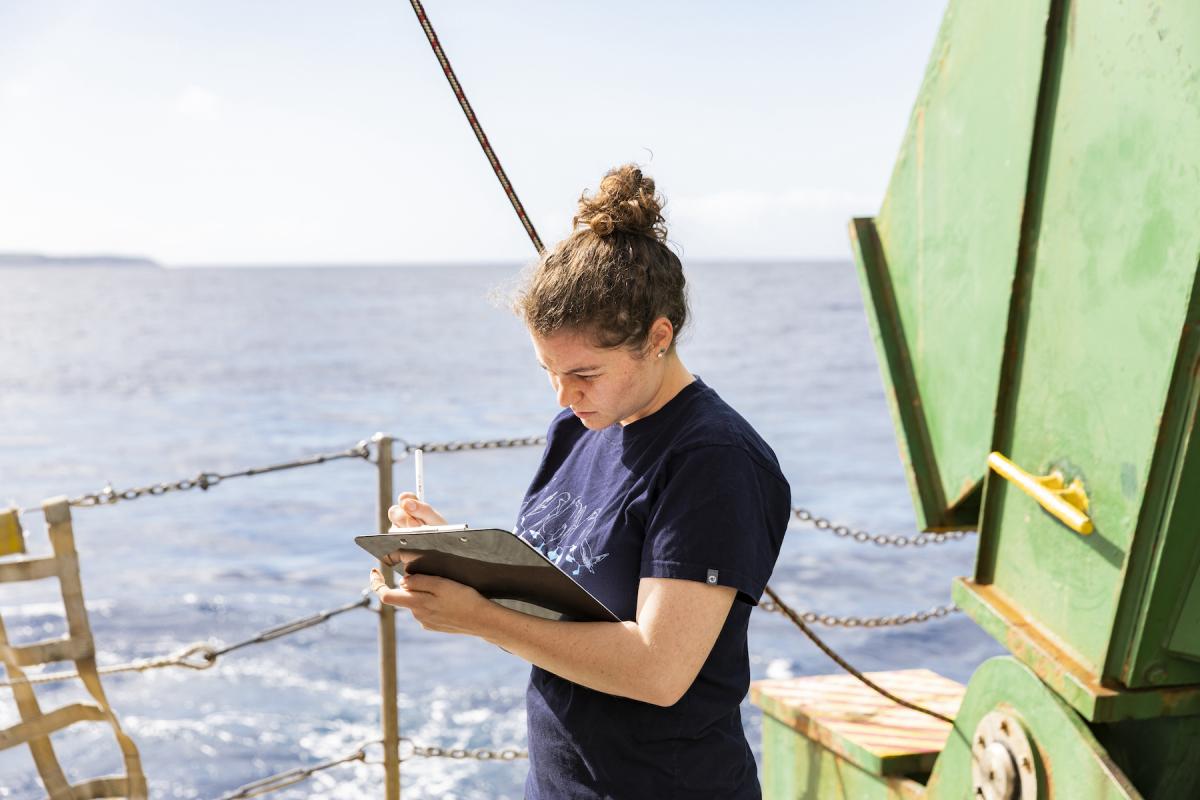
[574, 371]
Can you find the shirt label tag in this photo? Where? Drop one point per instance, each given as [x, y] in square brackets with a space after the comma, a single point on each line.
[712, 576]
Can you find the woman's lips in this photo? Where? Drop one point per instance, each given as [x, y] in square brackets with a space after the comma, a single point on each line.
[583, 413]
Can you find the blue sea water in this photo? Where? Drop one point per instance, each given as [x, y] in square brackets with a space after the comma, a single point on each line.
[135, 376]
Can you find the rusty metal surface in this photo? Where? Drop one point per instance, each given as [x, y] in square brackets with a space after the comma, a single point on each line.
[1061, 669]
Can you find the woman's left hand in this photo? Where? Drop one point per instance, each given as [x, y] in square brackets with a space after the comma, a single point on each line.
[438, 604]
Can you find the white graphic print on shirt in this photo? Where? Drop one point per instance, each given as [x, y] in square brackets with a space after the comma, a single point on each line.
[558, 527]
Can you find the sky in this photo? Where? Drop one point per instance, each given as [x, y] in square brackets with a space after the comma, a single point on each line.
[269, 131]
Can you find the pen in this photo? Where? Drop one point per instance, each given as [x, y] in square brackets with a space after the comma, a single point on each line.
[419, 465]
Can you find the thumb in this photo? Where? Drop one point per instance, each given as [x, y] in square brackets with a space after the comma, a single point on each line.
[417, 510]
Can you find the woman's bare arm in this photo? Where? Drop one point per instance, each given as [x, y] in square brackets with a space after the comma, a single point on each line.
[654, 659]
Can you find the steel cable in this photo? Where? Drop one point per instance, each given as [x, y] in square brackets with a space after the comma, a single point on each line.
[841, 662]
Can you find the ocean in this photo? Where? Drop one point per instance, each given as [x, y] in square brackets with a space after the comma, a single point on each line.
[137, 376]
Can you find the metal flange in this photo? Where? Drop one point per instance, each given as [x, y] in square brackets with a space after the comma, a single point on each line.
[1003, 763]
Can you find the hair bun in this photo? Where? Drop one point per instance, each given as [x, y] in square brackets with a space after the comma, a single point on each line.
[625, 202]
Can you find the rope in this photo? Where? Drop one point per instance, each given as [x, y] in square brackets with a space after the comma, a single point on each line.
[475, 126]
[841, 662]
[201, 655]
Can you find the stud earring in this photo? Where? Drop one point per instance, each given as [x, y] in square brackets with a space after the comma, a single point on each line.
[662, 353]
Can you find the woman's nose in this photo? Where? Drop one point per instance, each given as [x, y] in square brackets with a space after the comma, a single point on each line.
[565, 393]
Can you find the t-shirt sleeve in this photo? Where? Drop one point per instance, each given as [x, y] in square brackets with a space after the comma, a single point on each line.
[719, 518]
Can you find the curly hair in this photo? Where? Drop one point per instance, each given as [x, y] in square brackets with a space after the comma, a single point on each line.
[614, 275]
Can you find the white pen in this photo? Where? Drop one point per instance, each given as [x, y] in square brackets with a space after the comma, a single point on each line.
[419, 465]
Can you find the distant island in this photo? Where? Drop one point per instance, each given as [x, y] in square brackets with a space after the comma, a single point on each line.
[89, 260]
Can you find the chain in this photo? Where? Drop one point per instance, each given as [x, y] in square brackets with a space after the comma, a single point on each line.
[206, 480]
[862, 537]
[283, 780]
[830, 621]
[202, 655]
[458, 753]
[486, 444]
[799, 622]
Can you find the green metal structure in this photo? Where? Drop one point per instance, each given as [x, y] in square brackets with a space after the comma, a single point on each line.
[1032, 285]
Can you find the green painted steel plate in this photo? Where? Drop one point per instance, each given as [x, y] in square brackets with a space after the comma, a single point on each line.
[937, 264]
[1095, 352]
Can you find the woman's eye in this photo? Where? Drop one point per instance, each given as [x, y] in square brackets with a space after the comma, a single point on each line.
[589, 378]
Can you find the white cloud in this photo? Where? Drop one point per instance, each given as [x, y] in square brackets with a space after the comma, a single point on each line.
[791, 223]
[15, 89]
[198, 103]
[744, 206]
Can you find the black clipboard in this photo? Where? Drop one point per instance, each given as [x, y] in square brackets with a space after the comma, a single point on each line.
[497, 563]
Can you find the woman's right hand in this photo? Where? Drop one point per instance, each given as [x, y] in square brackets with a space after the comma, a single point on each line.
[409, 512]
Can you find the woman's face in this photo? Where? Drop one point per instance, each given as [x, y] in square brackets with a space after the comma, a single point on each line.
[601, 385]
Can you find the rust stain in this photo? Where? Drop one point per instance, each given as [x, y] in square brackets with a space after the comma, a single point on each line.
[1033, 646]
[1047, 773]
[964, 490]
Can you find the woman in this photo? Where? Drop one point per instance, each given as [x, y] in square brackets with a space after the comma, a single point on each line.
[654, 495]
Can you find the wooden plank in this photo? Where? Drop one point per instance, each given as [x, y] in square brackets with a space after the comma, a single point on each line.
[28, 569]
[852, 720]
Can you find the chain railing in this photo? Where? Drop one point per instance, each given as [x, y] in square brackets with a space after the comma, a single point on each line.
[459, 753]
[205, 480]
[202, 655]
[863, 537]
[209, 479]
[282, 780]
[896, 620]
[468, 446]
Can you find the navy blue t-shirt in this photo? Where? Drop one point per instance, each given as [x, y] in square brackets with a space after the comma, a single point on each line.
[689, 492]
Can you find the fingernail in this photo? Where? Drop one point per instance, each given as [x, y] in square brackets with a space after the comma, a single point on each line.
[410, 505]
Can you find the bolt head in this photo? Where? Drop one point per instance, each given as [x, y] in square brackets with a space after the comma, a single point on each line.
[1156, 674]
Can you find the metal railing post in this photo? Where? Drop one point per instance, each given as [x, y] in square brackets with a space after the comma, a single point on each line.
[389, 711]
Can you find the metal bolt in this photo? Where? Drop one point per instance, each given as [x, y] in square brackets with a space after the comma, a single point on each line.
[1156, 673]
[1026, 764]
[1004, 728]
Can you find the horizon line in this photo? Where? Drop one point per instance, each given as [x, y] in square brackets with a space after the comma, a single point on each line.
[334, 264]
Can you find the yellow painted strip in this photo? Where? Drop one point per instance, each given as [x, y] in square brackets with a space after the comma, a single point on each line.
[12, 539]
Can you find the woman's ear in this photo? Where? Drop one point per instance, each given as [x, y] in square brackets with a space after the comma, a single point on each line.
[662, 333]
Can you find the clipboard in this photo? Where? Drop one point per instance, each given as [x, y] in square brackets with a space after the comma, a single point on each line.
[497, 563]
